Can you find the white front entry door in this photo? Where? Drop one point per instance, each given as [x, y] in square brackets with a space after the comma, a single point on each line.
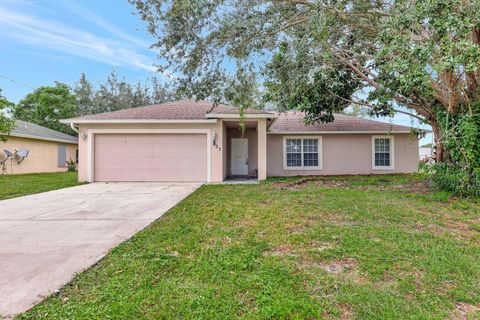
[239, 157]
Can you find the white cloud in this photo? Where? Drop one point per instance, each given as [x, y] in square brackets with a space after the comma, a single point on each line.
[60, 37]
[100, 22]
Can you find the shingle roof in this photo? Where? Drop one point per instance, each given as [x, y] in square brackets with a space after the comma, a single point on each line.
[178, 110]
[293, 122]
[224, 109]
[204, 110]
[26, 129]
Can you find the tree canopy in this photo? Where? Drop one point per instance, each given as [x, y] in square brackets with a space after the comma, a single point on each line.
[420, 58]
[116, 93]
[45, 106]
[6, 124]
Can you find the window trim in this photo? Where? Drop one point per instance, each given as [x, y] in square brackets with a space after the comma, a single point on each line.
[302, 167]
[392, 153]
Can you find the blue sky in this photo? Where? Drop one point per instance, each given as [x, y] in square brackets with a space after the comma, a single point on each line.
[43, 41]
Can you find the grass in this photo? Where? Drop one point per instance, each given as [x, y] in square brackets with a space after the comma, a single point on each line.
[12, 186]
[331, 248]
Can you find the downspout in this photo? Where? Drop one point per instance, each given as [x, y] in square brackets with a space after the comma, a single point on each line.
[72, 125]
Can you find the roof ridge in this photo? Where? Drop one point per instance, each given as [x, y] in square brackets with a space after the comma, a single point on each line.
[370, 120]
[43, 127]
[350, 117]
[28, 129]
[291, 121]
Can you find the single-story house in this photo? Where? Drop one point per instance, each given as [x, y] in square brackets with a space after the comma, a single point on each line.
[197, 141]
[48, 150]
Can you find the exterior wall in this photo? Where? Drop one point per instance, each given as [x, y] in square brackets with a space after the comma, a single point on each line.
[216, 152]
[262, 149]
[346, 154]
[251, 135]
[341, 153]
[43, 155]
[224, 151]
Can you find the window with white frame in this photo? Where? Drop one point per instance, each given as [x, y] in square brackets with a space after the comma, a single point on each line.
[302, 152]
[382, 152]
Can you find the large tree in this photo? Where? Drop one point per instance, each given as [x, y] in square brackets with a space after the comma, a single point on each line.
[420, 58]
[85, 93]
[46, 106]
[6, 124]
[115, 93]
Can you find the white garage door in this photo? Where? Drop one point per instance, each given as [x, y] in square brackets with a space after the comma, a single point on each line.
[150, 157]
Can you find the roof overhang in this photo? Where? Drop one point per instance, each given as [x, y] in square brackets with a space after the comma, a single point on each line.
[94, 121]
[237, 116]
[337, 132]
[27, 136]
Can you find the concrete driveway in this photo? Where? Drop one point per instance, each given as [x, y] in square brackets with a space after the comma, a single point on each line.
[48, 237]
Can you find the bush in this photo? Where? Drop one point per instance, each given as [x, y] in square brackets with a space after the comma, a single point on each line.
[459, 180]
[426, 165]
[71, 165]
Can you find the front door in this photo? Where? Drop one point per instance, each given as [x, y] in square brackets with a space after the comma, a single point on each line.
[239, 157]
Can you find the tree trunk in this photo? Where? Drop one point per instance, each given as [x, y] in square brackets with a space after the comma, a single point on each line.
[439, 150]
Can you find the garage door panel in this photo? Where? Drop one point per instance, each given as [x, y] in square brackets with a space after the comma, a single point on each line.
[150, 157]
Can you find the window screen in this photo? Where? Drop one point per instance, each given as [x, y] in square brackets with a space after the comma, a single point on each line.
[294, 152]
[302, 152]
[382, 152]
[310, 152]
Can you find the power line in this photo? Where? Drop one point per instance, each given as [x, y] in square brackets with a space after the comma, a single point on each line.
[17, 82]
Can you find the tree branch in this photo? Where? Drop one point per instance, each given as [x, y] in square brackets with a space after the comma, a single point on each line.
[368, 105]
[357, 71]
[302, 2]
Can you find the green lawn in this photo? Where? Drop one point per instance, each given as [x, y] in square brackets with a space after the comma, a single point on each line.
[12, 186]
[337, 248]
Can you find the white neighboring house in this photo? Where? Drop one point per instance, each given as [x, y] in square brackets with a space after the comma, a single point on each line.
[425, 152]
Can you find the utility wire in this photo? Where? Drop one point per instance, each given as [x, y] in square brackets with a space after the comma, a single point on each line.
[20, 83]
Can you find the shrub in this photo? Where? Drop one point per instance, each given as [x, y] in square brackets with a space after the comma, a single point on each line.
[426, 165]
[459, 180]
[71, 165]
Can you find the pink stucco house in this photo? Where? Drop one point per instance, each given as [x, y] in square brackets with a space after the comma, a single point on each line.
[195, 141]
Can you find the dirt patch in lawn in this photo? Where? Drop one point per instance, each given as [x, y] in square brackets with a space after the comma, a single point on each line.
[282, 251]
[340, 266]
[464, 311]
[308, 182]
[397, 274]
[343, 312]
[297, 228]
[247, 223]
[346, 267]
[417, 187]
[346, 312]
[460, 230]
[301, 251]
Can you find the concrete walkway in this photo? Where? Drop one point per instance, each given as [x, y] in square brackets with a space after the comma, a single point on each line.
[48, 237]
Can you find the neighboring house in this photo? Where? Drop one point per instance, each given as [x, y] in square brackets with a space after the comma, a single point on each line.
[425, 153]
[48, 149]
[194, 141]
